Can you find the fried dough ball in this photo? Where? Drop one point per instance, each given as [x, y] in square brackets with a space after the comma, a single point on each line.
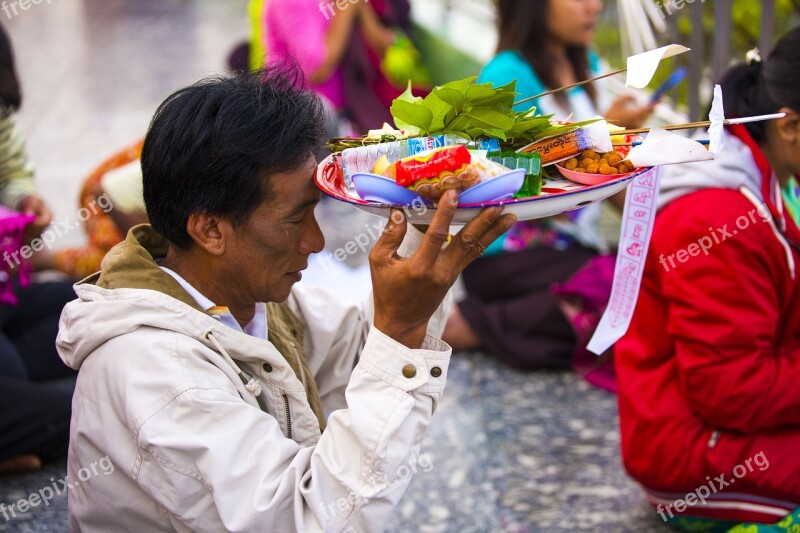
[613, 158]
[593, 168]
[571, 164]
[590, 154]
[607, 170]
[625, 166]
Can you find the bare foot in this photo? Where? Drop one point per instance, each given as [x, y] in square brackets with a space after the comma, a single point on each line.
[458, 333]
[20, 464]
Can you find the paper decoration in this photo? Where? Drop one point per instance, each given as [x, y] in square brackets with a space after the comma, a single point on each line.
[642, 67]
[638, 219]
[661, 147]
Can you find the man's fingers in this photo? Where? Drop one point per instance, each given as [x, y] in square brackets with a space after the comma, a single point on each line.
[472, 241]
[439, 229]
[392, 237]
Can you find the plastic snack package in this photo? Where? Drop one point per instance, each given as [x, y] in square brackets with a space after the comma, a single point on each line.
[564, 146]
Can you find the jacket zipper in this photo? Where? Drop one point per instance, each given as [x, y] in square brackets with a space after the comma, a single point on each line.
[288, 416]
[712, 442]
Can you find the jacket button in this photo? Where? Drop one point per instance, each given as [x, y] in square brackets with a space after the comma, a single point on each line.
[436, 371]
[267, 367]
[409, 371]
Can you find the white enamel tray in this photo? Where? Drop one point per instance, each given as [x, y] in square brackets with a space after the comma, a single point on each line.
[558, 196]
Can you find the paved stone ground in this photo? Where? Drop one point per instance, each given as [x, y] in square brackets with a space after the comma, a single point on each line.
[507, 451]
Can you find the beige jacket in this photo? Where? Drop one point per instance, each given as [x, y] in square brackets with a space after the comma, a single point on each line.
[160, 393]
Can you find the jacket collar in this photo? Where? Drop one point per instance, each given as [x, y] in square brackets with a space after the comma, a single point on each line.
[132, 265]
[770, 188]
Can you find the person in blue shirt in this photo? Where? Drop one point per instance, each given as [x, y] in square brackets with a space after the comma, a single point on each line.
[545, 44]
[509, 309]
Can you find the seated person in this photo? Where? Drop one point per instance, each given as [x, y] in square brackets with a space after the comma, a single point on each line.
[206, 374]
[333, 46]
[111, 199]
[707, 374]
[34, 413]
[510, 309]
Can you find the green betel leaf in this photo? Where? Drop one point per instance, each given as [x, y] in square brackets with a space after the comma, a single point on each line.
[472, 111]
[408, 95]
[475, 133]
[458, 124]
[534, 125]
[489, 118]
[475, 92]
[509, 88]
[491, 132]
[406, 118]
[455, 98]
[440, 111]
[460, 85]
[412, 118]
[486, 95]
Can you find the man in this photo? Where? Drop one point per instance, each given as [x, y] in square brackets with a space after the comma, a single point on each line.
[206, 393]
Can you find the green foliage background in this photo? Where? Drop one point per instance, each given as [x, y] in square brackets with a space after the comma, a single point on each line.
[746, 34]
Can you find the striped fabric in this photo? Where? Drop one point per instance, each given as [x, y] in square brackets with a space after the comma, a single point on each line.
[722, 506]
[16, 171]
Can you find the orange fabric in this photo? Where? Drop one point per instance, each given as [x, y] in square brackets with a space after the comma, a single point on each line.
[101, 230]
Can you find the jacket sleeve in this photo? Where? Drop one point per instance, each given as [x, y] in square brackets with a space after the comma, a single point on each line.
[237, 472]
[724, 315]
[16, 171]
[336, 330]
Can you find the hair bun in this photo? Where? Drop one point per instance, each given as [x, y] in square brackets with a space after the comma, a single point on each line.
[753, 56]
[754, 61]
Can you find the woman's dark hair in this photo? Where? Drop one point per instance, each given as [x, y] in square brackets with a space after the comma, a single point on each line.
[523, 27]
[762, 88]
[10, 95]
[213, 147]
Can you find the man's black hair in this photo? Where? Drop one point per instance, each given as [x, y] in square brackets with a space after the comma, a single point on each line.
[212, 147]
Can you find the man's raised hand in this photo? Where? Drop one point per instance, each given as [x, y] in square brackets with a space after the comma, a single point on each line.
[407, 291]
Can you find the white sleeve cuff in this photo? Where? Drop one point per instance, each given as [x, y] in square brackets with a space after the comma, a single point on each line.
[423, 370]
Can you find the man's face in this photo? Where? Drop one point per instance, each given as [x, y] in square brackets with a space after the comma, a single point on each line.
[265, 255]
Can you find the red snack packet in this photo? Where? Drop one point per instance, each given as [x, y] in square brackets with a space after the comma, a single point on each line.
[435, 166]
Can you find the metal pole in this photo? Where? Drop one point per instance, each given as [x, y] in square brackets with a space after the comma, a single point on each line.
[767, 26]
[722, 36]
[696, 59]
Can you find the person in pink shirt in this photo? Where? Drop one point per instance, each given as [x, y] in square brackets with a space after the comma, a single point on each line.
[316, 36]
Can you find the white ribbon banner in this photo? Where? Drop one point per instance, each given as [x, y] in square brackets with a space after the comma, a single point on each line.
[638, 219]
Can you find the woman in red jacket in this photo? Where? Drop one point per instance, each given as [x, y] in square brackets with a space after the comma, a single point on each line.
[709, 372]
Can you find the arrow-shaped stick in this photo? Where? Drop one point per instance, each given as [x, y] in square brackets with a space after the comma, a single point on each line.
[702, 124]
[640, 69]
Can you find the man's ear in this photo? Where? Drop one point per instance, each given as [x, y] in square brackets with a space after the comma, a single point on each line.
[789, 126]
[207, 233]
